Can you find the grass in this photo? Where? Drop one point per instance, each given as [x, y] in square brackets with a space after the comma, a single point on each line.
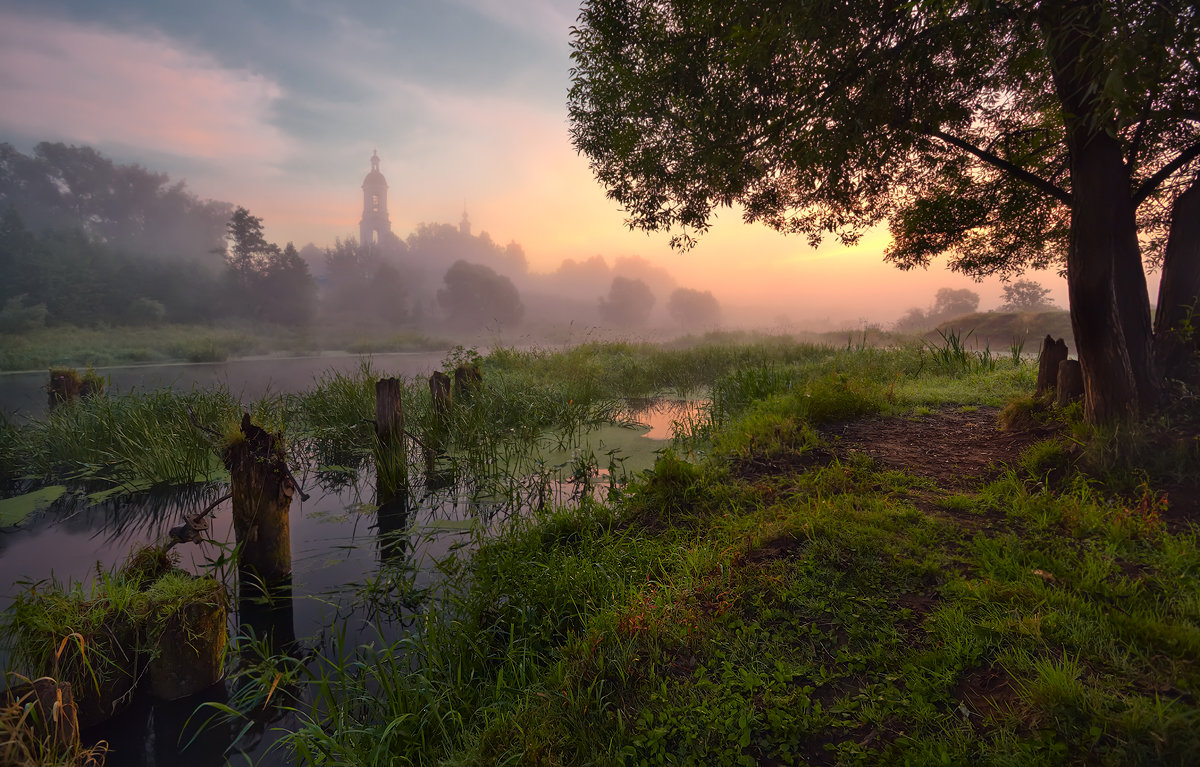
[714, 615]
[99, 638]
[753, 598]
[67, 346]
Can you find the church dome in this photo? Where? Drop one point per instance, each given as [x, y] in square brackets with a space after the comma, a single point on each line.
[374, 178]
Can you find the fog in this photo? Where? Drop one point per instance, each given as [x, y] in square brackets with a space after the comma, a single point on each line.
[87, 240]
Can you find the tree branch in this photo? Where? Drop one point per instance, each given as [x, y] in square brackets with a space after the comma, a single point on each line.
[1148, 186]
[1015, 171]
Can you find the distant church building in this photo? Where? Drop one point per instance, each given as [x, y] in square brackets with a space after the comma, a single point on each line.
[375, 227]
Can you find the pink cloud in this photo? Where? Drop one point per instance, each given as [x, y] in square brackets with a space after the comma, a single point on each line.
[140, 89]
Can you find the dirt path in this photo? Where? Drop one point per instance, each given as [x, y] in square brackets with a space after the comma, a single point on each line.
[958, 449]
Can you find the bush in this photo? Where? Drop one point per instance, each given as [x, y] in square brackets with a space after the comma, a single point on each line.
[15, 317]
[145, 311]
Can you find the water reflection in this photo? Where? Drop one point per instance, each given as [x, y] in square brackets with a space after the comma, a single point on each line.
[364, 564]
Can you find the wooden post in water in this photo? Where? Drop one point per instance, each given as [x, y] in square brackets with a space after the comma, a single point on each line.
[391, 452]
[439, 390]
[1053, 352]
[262, 489]
[467, 381]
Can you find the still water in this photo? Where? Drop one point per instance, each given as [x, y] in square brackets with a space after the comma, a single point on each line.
[23, 395]
[356, 567]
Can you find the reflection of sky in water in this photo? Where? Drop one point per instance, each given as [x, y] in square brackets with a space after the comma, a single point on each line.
[337, 548]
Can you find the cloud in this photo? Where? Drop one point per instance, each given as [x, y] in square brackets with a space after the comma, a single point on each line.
[547, 19]
[67, 80]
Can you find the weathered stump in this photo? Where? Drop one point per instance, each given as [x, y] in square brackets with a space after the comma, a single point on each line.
[439, 390]
[57, 720]
[391, 452]
[1053, 352]
[467, 381]
[262, 490]
[66, 386]
[188, 656]
[1069, 381]
[102, 691]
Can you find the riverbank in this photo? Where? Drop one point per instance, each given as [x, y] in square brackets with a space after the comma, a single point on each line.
[861, 568]
[67, 346]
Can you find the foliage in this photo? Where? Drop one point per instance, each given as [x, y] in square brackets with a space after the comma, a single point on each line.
[694, 308]
[628, 304]
[128, 207]
[1005, 137]
[17, 317]
[475, 296]
[1026, 296]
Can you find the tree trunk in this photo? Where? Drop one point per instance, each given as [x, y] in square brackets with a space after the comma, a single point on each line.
[1177, 319]
[1103, 227]
[262, 490]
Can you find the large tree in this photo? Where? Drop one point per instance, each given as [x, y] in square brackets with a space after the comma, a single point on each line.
[1006, 135]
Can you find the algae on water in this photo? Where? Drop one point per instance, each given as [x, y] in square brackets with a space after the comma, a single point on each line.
[14, 511]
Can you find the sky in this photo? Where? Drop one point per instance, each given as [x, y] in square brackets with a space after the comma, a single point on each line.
[277, 105]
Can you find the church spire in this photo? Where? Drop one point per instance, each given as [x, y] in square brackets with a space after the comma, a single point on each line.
[375, 228]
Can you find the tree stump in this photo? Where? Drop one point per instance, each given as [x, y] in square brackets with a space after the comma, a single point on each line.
[57, 720]
[467, 381]
[262, 490]
[1069, 382]
[64, 387]
[1053, 352]
[188, 657]
[439, 390]
[391, 452]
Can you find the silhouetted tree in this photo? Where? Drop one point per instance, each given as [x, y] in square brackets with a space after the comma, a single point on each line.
[1026, 296]
[1006, 135]
[475, 296]
[288, 292]
[126, 207]
[629, 303]
[694, 309]
[248, 251]
[950, 302]
[361, 285]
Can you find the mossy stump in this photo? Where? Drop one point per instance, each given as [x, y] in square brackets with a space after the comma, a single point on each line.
[189, 652]
[262, 490]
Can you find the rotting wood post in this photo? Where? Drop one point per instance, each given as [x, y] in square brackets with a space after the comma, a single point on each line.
[1053, 352]
[57, 718]
[64, 387]
[391, 452]
[439, 390]
[1069, 382]
[190, 649]
[467, 381]
[262, 490]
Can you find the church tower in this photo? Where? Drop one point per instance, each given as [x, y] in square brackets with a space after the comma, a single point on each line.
[375, 227]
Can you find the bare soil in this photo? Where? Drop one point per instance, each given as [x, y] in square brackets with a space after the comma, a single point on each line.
[958, 449]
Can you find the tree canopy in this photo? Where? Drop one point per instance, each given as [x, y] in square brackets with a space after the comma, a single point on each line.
[1004, 136]
[628, 304]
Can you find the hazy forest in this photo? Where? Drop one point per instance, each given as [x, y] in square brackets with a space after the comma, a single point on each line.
[423, 500]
